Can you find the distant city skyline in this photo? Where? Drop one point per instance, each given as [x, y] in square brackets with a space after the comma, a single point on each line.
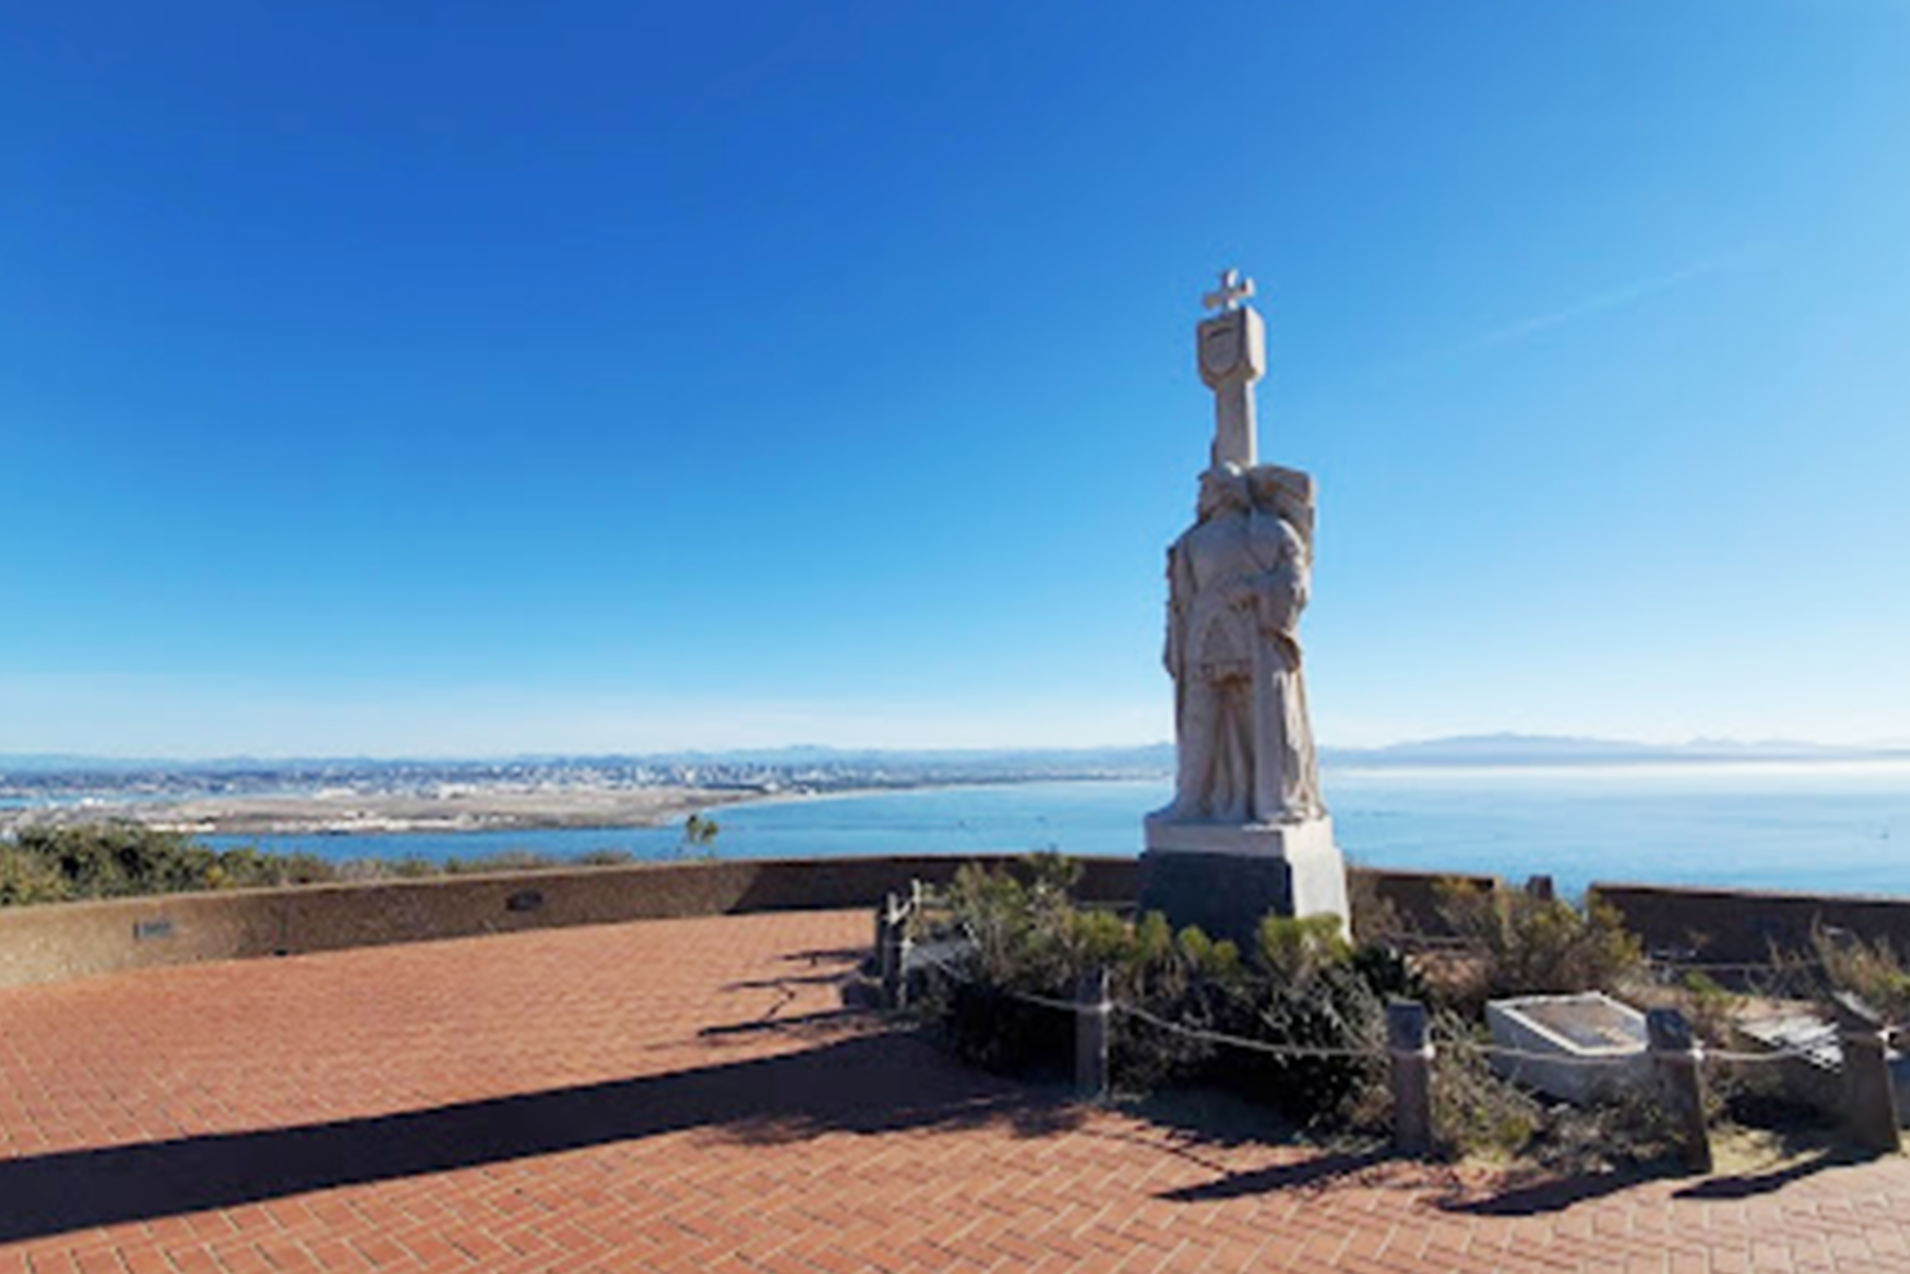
[500, 381]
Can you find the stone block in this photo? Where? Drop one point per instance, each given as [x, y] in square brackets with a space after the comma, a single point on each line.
[1225, 879]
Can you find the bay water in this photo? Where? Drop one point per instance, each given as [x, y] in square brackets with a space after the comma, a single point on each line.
[1816, 827]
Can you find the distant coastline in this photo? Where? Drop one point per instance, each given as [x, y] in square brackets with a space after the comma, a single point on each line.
[249, 797]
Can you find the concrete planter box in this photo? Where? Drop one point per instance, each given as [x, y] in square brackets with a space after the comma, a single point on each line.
[1562, 1036]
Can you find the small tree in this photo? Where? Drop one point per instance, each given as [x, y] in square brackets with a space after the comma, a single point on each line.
[699, 837]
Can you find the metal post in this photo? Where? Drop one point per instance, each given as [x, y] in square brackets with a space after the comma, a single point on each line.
[1092, 1013]
[1676, 1058]
[1870, 1095]
[1409, 1039]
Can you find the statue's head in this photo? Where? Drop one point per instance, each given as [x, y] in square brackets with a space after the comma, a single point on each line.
[1224, 488]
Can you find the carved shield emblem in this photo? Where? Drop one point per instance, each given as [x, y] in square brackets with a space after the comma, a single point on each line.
[1223, 346]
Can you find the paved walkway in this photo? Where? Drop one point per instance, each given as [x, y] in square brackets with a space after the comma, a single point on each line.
[687, 1096]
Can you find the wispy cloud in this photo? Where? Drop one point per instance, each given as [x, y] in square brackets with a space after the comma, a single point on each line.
[1600, 302]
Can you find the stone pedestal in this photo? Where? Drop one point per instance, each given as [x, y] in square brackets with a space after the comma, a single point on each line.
[1225, 879]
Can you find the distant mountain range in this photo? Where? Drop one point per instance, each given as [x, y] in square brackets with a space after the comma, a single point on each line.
[1464, 750]
[1536, 749]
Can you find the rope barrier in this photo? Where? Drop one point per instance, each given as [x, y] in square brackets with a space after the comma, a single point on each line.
[1046, 1002]
[1761, 966]
[1258, 1046]
[1029, 997]
[1527, 1055]
[1805, 1051]
[1504, 1052]
[1618, 1059]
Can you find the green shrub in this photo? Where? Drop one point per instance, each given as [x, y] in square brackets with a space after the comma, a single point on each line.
[500, 860]
[116, 859]
[248, 867]
[1474, 1110]
[27, 878]
[1296, 948]
[122, 859]
[1519, 944]
[1869, 970]
[1305, 986]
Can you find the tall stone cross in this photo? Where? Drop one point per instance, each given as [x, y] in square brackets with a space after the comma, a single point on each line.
[1232, 348]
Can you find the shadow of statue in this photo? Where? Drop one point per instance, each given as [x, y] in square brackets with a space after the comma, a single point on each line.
[865, 1084]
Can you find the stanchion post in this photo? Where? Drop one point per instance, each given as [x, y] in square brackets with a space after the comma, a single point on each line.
[879, 952]
[1870, 1095]
[1093, 1011]
[1409, 1040]
[895, 956]
[1679, 1065]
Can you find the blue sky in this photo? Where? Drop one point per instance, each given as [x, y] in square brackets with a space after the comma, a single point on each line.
[484, 378]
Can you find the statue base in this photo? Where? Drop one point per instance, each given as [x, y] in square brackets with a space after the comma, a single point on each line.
[1225, 878]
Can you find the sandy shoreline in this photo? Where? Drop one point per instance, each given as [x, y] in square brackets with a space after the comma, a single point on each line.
[480, 809]
[455, 808]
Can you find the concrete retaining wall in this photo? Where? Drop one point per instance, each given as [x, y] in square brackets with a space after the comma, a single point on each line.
[1414, 895]
[69, 940]
[1743, 926]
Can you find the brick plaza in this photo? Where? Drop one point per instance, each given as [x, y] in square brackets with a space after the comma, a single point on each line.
[691, 1096]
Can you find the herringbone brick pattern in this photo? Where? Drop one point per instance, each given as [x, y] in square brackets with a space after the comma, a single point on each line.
[689, 1096]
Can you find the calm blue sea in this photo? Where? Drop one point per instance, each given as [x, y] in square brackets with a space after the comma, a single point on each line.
[1841, 828]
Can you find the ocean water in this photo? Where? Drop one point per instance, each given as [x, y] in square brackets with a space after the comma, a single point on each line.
[1830, 828]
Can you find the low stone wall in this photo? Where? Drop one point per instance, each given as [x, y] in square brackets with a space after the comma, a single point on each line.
[1744, 926]
[1414, 895]
[69, 940]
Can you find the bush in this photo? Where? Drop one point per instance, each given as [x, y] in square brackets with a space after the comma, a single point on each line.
[122, 859]
[1302, 986]
[248, 867]
[27, 878]
[499, 860]
[112, 860]
[1474, 1110]
[1519, 944]
[1870, 971]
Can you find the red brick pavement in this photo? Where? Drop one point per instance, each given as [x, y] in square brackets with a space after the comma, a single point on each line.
[688, 1096]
